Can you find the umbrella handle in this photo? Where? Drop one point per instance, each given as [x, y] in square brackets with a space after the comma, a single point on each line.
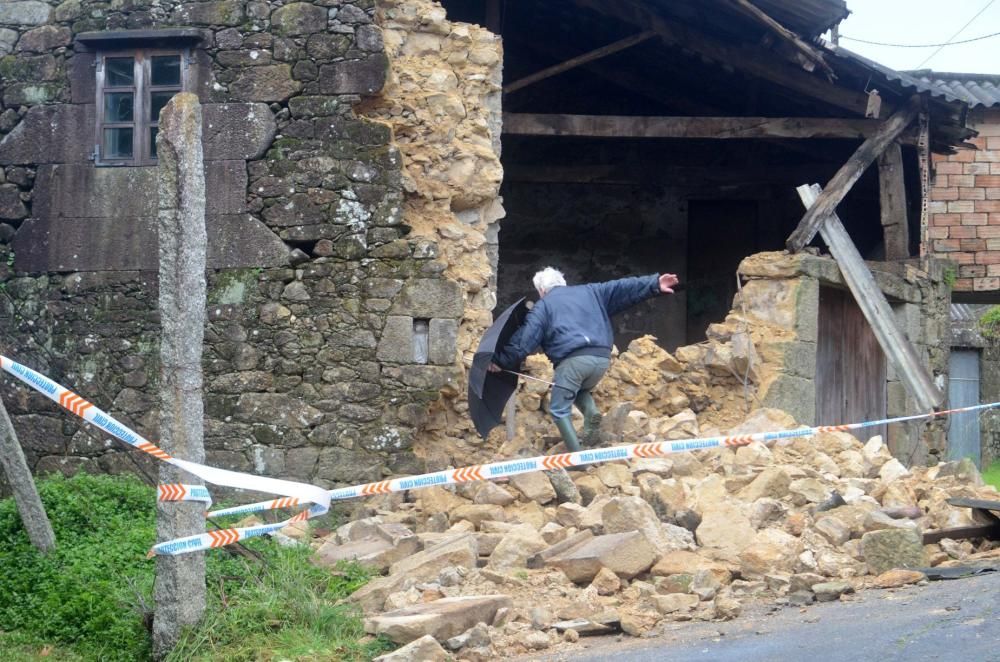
[526, 376]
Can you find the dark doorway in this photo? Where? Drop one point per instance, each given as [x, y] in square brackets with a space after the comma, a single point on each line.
[720, 234]
[850, 366]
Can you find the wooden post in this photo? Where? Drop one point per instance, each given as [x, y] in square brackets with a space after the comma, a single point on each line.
[29, 504]
[897, 347]
[892, 200]
[848, 174]
[179, 590]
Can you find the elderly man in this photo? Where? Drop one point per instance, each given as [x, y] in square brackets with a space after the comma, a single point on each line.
[573, 327]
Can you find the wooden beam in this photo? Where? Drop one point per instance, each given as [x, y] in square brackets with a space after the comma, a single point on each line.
[754, 61]
[616, 126]
[579, 60]
[897, 347]
[809, 56]
[892, 202]
[669, 175]
[848, 174]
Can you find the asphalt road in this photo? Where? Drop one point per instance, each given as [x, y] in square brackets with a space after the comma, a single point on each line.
[955, 620]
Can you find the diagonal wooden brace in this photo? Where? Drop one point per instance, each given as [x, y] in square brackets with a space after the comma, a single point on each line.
[849, 173]
[897, 347]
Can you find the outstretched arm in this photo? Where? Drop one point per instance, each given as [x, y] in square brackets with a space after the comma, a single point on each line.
[621, 294]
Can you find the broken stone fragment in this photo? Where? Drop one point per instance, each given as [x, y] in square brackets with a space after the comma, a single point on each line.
[385, 544]
[441, 619]
[899, 577]
[606, 582]
[421, 567]
[424, 649]
[535, 486]
[893, 548]
[675, 602]
[516, 546]
[689, 563]
[830, 591]
[622, 514]
[625, 554]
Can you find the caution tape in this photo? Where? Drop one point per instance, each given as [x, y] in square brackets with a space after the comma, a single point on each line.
[301, 492]
[295, 493]
[581, 458]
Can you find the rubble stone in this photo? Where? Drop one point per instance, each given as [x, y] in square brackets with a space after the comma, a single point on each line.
[892, 548]
[516, 546]
[535, 486]
[674, 602]
[441, 619]
[606, 582]
[725, 527]
[625, 554]
[422, 566]
[424, 649]
[829, 591]
[899, 577]
[689, 563]
[623, 514]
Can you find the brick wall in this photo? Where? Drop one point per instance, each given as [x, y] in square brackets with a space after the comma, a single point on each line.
[965, 207]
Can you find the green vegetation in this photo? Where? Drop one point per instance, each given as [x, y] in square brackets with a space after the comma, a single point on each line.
[950, 277]
[991, 474]
[91, 598]
[989, 323]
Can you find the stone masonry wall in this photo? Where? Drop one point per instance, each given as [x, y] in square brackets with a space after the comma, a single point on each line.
[310, 366]
[783, 292]
[965, 207]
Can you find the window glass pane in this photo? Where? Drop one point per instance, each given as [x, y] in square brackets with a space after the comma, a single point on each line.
[118, 107]
[117, 143]
[118, 71]
[152, 141]
[166, 70]
[157, 100]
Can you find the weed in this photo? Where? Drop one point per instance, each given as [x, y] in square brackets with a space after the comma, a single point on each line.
[84, 599]
[991, 474]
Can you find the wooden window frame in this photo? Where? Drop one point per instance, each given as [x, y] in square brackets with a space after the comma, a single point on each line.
[142, 90]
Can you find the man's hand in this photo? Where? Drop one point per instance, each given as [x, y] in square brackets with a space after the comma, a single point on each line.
[667, 282]
[493, 367]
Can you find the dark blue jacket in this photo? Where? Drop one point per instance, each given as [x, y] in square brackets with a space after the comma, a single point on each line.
[575, 320]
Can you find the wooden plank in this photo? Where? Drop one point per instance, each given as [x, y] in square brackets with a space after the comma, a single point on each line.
[579, 60]
[897, 347]
[848, 174]
[892, 202]
[981, 504]
[754, 61]
[29, 504]
[722, 128]
[991, 531]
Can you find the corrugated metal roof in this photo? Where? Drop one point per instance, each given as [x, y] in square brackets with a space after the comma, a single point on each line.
[968, 312]
[905, 79]
[809, 18]
[974, 89]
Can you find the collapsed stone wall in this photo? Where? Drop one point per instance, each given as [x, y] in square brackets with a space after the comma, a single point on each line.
[442, 100]
[315, 284]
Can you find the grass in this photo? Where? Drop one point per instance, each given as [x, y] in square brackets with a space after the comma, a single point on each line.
[991, 474]
[89, 599]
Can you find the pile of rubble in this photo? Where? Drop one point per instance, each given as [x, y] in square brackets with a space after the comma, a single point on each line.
[493, 569]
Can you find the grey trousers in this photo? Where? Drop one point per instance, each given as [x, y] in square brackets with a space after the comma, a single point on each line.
[575, 375]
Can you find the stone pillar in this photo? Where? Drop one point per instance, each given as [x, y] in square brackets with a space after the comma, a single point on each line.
[180, 580]
[29, 504]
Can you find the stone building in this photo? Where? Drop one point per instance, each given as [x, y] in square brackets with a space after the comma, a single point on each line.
[357, 185]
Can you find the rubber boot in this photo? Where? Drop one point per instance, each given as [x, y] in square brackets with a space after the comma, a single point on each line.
[565, 426]
[591, 419]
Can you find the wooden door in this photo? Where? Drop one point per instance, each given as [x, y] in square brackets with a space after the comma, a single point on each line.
[850, 366]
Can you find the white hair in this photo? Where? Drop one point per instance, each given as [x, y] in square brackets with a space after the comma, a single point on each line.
[547, 279]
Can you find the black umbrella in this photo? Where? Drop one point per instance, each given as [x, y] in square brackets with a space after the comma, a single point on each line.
[490, 391]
